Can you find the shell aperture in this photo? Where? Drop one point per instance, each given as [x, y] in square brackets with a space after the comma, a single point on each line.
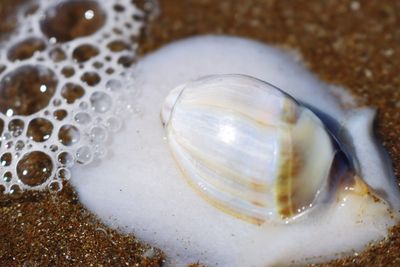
[250, 149]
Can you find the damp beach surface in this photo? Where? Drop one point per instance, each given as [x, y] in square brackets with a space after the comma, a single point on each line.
[355, 53]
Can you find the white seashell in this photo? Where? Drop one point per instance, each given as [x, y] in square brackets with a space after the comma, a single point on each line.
[247, 147]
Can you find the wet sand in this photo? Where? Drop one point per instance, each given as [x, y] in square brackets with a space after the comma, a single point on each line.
[349, 43]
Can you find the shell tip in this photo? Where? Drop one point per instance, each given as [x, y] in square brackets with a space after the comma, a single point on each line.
[169, 104]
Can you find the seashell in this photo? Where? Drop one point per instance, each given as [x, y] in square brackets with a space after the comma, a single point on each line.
[250, 149]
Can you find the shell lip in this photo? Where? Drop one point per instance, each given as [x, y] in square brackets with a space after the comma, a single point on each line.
[340, 138]
[345, 165]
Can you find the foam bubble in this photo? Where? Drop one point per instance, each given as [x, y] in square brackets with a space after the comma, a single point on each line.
[84, 52]
[72, 19]
[26, 48]
[71, 92]
[34, 168]
[6, 159]
[27, 90]
[39, 130]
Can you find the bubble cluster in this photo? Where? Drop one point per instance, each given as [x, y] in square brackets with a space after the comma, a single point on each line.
[60, 91]
[26, 90]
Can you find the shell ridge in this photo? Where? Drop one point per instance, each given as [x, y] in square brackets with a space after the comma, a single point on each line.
[229, 204]
[199, 119]
[246, 182]
[233, 112]
[241, 101]
[285, 177]
[252, 193]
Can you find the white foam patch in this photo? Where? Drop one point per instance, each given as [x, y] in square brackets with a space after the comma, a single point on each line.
[138, 188]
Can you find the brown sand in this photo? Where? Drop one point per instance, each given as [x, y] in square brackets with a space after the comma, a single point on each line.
[350, 43]
[55, 230]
